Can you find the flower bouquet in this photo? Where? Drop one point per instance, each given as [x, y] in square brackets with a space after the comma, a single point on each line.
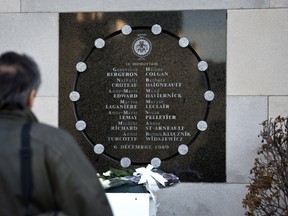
[142, 180]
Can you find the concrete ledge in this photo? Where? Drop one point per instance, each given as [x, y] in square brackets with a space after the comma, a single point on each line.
[278, 106]
[278, 3]
[202, 199]
[8, 6]
[137, 5]
[130, 204]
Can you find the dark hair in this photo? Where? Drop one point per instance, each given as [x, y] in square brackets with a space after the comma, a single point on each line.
[19, 74]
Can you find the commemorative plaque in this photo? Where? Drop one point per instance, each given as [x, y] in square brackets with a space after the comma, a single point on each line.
[135, 90]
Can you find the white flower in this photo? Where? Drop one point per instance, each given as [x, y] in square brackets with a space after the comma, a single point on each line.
[104, 183]
[108, 173]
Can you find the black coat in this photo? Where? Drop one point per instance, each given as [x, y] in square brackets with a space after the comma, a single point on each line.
[62, 175]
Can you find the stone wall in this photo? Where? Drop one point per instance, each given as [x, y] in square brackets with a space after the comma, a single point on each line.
[257, 80]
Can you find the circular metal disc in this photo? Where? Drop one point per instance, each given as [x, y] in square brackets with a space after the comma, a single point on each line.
[80, 125]
[99, 43]
[81, 66]
[183, 149]
[202, 125]
[209, 95]
[99, 148]
[156, 162]
[156, 29]
[183, 42]
[126, 30]
[202, 66]
[125, 162]
[74, 96]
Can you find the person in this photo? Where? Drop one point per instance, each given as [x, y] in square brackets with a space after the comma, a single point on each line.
[64, 180]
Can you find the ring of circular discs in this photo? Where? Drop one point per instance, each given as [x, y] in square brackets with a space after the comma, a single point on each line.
[126, 30]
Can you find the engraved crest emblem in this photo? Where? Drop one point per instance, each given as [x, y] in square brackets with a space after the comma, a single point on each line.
[142, 47]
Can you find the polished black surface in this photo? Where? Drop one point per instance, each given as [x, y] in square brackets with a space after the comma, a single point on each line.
[142, 95]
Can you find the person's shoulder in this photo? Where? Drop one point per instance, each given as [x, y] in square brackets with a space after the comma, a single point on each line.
[47, 133]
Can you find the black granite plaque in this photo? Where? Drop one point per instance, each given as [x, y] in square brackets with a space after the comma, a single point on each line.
[146, 87]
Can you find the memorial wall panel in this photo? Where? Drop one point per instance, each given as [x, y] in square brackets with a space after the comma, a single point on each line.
[146, 87]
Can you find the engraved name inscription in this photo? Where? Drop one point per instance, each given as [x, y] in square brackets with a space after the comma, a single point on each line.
[160, 95]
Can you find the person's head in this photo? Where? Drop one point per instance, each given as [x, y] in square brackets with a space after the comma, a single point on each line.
[19, 81]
